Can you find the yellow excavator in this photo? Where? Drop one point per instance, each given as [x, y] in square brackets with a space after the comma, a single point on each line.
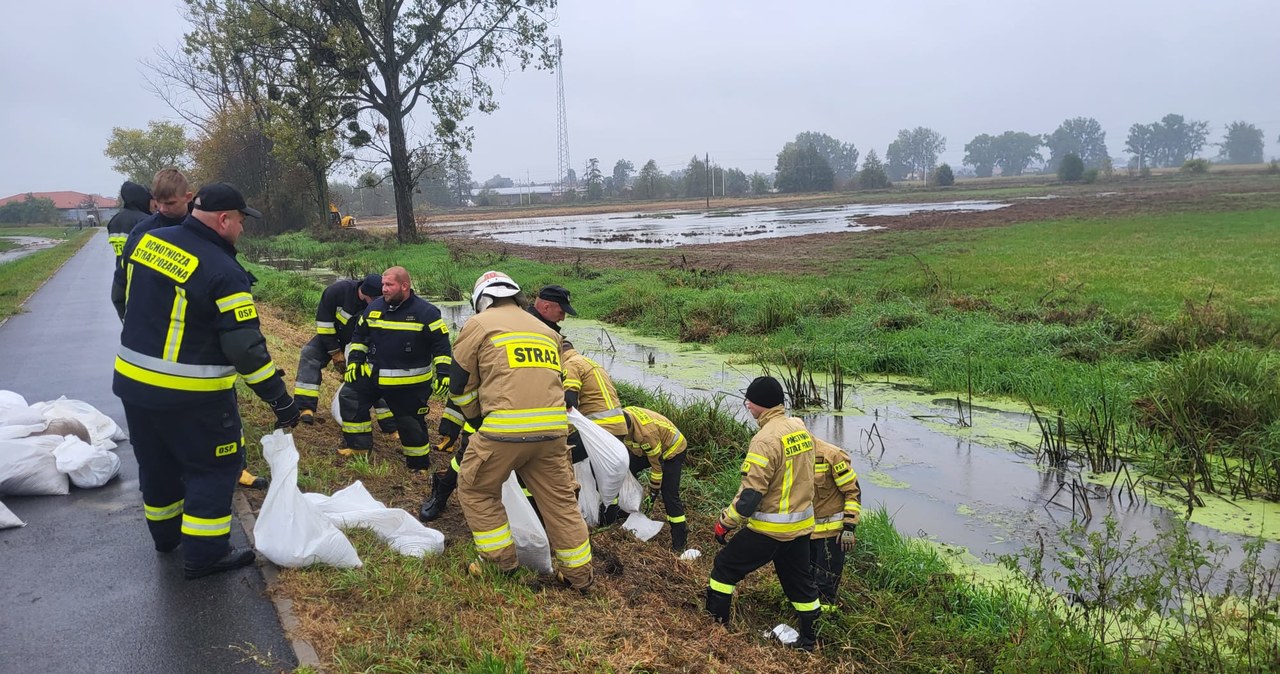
[337, 219]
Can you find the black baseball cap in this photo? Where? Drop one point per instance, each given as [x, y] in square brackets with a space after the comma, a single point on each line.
[222, 197]
[559, 295]
[371, 286]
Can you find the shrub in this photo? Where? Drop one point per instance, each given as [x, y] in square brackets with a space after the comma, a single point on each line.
[1196, 166]
[1071, 169]
[943, 177]
[1091, 176]
[1274, 167]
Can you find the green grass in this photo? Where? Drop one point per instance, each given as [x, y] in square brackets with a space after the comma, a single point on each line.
[20, 278]
[47, 231]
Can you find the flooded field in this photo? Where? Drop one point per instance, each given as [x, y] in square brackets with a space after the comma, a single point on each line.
[26, 246]
[676, 228]
[972, 486]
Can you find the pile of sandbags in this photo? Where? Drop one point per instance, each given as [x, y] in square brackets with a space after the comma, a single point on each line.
[48, 446]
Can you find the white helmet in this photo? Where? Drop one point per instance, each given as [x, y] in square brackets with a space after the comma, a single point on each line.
[492, 284]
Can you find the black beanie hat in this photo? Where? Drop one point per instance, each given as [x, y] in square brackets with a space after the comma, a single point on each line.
[371, 286]
[765, 392]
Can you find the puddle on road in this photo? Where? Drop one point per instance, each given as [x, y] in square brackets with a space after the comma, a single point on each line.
[676, 228]
[26, 246]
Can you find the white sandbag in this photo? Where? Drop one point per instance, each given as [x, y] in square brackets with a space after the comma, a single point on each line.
[335, 410]
[631, 495]
[17, 419]
[88, 467]
[291, 531]
[588, 497]
[354, 506]
[609, 459]
[532, 548]
[8, 519]
[9, 399]
[28, 467]
[102, 430]
[643, 527]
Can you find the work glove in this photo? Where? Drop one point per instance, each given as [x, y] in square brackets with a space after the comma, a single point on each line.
[339, 361]
[722, 530]
[847, 539]
[442, 387]
[287, 413]
[446, 444]
[357, 371]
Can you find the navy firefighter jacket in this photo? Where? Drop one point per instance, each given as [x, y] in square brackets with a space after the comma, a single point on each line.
[407, 344]
[191, 325]
[340, 306]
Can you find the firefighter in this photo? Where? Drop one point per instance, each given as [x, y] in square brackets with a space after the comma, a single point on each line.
[837, 507]
[655, 443]
[190, 328]
[775, 502]
[589, 389]
[172, 194]
[505, 381]
[135, 206]
[551, 305]
[340, 305]
[399, 352]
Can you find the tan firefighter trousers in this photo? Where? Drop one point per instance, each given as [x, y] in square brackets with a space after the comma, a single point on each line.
[544, 468]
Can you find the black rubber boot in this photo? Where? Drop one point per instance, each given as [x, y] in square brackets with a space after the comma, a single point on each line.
[234, 559]
[441, 488]
[719, 605]
[610, 514]
[808, 639]
[679, 536]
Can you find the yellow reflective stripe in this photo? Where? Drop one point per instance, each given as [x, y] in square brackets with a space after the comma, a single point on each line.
[526, 420]
[452, 415]
[806, 606]
[784, 503]
[234, 300]
[325, 328]
[383, 414]
[757, 460]
[821, 467]
[357, 427]
[128, 281]
[527, 493]
[161, 513]
[675, 520]
[442, 360]
[201, 526]
[177, 325]
[261, 374]
[824, 527]
[853, 506]
[676, 447]
[416, 451]
[608, 421]
[405, 381]
[572, 384]
[439, 325]
[717, 586]
[780, 527]
[842, 480]
[173, 381]
[304, 392]
[453, 463]
[544, 340]
[378, 323]
[494, 539]
[466, 399]
[342, 315]
[358, 347]
[609, 403]
[579, 556]
[733, 515]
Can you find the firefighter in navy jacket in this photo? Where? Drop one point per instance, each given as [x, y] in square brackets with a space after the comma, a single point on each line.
[190, 330]
[400, 352]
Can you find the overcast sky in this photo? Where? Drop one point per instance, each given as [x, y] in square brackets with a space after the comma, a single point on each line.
[665, 79]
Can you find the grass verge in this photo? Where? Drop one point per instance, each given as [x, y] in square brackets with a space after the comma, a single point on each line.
[20, 278]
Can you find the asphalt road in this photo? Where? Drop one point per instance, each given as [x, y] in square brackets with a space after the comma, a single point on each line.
[81, 587]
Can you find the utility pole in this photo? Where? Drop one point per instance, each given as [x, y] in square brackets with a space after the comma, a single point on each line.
[706, 162]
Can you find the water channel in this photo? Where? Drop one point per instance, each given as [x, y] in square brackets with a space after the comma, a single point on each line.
[26, 246]
[968, 487]
[674, 228]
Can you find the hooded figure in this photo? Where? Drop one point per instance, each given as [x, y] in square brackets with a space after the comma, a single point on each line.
[135, 206]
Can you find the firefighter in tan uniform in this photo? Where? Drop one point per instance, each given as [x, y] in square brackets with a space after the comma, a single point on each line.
[505, 382]
[655, 443]
[837, 507]
[589, 388]
[775, 503]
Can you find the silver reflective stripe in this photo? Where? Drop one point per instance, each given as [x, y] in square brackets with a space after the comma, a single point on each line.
[306, 387]
[169, 367]
[411, 372]
[838, 517]
[784, 518]
[605, 414]
[343, 316]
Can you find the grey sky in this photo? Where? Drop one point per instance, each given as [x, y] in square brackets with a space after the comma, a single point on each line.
[665, 79]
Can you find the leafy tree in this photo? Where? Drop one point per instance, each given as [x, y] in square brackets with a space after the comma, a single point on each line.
[400, 53]
[695, 179]
[1243, 144]
[980, 153]
[595, 180]
[1081, 136]
[736, 183]
[30, 210]
[759, 183]
[498, 181]
[841, 157]
[1169, 142]
[650, 181]
[621, 174]
[139, 154]
[943, 177]
[1015, 151]
[915, 152]
[801, 168]
[873, 175]
[1071, 168]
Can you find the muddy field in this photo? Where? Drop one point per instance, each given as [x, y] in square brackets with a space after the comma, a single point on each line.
[816, 252]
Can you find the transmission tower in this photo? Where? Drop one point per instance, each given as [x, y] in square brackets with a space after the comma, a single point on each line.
[563, 165]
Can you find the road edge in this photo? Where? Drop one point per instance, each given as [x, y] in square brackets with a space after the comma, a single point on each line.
[46, 279]
[302, 649]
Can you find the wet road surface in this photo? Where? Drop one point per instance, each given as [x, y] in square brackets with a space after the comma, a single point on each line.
[81, 588]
